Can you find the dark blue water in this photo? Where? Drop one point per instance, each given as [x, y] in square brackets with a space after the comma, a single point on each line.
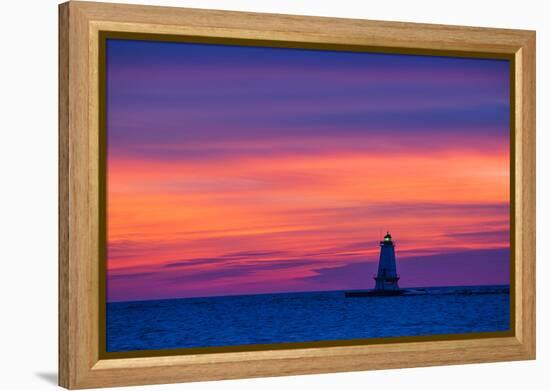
[304, 317]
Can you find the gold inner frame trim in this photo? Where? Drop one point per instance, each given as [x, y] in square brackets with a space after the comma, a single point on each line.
[103, 36]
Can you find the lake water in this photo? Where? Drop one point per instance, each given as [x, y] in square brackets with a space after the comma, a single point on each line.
[304, 317]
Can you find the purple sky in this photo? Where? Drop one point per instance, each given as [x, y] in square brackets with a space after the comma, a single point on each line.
[239, 170]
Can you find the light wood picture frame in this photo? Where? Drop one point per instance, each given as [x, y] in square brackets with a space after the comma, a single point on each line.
[83, 364]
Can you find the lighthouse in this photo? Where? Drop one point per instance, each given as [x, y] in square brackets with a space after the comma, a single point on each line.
[386, 278]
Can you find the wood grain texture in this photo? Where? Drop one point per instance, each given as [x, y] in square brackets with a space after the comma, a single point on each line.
[526, 135]
[80, 23]
[63, 304]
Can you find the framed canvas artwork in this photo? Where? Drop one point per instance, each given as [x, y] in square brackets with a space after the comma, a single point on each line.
[299, 194]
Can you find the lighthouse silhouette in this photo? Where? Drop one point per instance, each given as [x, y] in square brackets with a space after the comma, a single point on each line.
[386, 278]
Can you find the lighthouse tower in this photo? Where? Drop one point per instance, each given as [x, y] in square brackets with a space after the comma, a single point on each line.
[386, 278]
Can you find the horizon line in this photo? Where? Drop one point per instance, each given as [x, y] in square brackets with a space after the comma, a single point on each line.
[287, 292]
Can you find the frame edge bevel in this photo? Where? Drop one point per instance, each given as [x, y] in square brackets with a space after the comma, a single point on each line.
[64, 368]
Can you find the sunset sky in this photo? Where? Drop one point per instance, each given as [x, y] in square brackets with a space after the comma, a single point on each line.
[242, 170]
